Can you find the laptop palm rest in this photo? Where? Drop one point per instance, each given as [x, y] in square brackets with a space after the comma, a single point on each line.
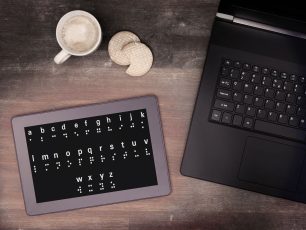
[271, 164]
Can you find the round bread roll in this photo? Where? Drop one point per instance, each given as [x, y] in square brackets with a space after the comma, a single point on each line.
[117, 42]
[140, 56]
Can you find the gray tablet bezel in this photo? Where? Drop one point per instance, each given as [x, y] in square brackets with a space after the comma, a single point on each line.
[149, 103]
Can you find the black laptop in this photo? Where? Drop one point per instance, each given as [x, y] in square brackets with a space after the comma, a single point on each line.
[249, 123]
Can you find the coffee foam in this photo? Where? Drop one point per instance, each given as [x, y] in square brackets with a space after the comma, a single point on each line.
[79, 34]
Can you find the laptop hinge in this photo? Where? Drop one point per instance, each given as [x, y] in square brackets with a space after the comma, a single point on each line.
[259, 25]
[269, 28]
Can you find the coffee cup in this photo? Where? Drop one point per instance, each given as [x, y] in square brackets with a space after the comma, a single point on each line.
[78, 33]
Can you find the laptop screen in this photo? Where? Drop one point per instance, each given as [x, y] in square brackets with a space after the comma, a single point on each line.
[287, 14]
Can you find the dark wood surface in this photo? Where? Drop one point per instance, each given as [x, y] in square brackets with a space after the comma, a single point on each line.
[178, 33]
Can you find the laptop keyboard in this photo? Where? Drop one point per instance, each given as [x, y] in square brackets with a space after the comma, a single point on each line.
[256, 98]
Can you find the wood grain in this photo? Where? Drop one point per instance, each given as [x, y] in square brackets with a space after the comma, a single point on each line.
[178, 33]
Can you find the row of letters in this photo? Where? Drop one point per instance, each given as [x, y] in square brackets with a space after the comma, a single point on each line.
[99, 182]
[77, 125]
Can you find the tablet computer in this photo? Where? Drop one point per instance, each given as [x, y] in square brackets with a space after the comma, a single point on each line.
[91, 155]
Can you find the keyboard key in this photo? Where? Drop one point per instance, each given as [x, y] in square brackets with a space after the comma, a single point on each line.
[290, 98]
[237, 121]
[293, 77]
[280, 130]
[280, 95]
[248, 99]
[222, 93]
[234, 73]
[266, 81]
[269, 93]
[283, 119]
[225, 71]
[216, 115]
[258, 102]
[269, 104]
[239, 108]
[284, 75]
[288, 86]
[301, 100]
[224, 105]
[265, 71]
[303, 124]
[237, 64]
[248, 123]
[237, 85]
[248, 88]
[272, 116]
[274, 73]
[280, 107]
[302, 79]
[245, 76]
[290, 109]
[261, 113]
[298, 89]
[250, 111]
[227, 62]
[237, 97]
[301, 111]
[246, 66]
[226, 118]
[277, 83]
[258, 90]
[256, 68]
[256, 78]
[293, 121]
[225, 83]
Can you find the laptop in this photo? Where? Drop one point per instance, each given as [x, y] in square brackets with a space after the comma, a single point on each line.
[248, 128]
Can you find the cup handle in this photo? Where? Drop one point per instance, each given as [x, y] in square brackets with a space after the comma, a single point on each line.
[61, 57]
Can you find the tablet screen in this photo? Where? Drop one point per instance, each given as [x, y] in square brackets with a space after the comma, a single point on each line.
[91, 155]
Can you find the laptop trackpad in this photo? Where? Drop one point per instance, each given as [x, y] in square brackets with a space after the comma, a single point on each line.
[271, 164]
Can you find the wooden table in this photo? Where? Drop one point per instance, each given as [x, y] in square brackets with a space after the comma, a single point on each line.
[178, 33]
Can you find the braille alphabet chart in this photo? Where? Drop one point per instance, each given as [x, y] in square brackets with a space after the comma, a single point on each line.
[91, 155]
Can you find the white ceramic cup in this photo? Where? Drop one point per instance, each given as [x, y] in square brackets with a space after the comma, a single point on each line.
[67, 50]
